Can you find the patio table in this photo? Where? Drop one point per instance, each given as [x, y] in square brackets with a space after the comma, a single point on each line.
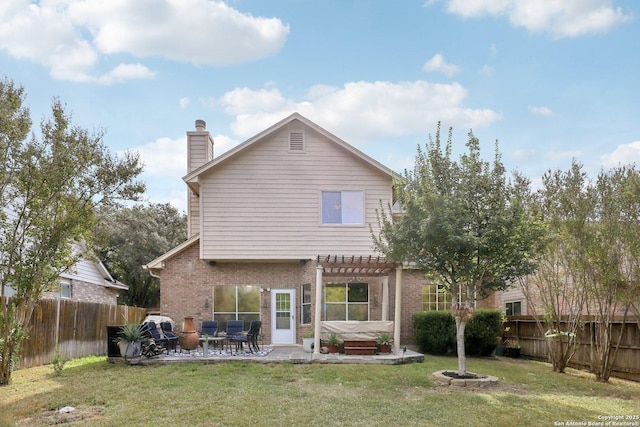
[205, 343]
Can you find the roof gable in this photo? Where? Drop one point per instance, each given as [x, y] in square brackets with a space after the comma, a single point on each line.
[192, 178]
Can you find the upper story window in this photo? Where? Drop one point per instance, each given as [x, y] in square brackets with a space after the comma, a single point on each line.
[343, 207]
[513, 308]
[65, 289]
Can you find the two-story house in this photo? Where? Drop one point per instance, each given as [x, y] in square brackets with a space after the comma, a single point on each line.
[280, 229]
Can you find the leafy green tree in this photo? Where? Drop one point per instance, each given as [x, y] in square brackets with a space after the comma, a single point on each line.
[588, 275]
[611, 264]
[558, 285]
[51, 186]
[130, 236]
[463, 224]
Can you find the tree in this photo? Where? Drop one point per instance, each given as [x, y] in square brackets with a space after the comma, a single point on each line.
[589, 273]
[462, 224]
[128, 237]
[611, 264]
[51, 186]
[564, 205]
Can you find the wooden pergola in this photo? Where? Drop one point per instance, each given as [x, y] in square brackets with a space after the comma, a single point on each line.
[359, 266]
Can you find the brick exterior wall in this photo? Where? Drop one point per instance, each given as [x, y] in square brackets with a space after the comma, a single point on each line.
[186, 285]
[90, 292]
[186, 289]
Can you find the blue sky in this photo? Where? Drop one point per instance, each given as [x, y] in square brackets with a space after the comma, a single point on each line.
[550, 80]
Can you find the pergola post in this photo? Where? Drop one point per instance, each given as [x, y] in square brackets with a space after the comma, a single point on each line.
[385, 298]
[398, 311]
[318, 313]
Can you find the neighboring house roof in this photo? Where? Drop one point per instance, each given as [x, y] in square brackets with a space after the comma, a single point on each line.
[192, 178]
[92, 271]
[158, 263]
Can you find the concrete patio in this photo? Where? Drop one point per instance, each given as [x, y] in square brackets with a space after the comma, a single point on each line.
[277, 354]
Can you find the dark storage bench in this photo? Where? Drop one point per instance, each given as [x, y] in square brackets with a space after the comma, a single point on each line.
[360, 347]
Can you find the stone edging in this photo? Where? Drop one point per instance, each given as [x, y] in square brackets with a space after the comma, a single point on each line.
[483, 381]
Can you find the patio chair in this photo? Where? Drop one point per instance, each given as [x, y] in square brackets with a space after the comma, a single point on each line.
[251, 337]
[210, 328]
[234, 328]
[151, 330]
[167, 330]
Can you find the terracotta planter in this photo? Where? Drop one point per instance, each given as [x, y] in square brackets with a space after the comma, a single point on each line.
[189, 338]
[333, 348]
[384, 348]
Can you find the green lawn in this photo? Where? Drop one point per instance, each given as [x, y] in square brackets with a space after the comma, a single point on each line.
[246, 394]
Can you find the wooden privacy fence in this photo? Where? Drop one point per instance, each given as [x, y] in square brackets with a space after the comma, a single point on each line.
[533, 344]
[78, 328]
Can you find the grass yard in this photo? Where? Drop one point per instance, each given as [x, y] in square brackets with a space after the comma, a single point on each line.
[247, 394]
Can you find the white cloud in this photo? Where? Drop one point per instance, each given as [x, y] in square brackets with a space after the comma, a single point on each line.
[624, 154]
[125, 72]
[164, 156]
[541, 111]
[223, 143]
[184, 102]
[70, 37]
[380, 109]
[486, 70]
[565, 18]
[437, 63]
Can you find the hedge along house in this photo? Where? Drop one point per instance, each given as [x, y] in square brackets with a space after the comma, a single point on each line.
[279, 230]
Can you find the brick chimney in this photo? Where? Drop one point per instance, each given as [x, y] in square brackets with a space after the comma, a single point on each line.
[199, 152]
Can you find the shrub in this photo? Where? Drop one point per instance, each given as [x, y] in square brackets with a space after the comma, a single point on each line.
[435, 332]
[481, 333]
[58, 363]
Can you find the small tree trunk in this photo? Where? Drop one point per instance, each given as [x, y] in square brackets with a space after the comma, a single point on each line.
[461, 323]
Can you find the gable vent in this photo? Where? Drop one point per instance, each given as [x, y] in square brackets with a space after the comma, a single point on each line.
[296, 142]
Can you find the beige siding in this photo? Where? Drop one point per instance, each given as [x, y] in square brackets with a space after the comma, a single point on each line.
[85, 271]
[513, 294]
[199, 152]
[266, 202]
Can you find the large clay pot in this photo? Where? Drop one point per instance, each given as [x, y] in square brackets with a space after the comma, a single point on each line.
[189, 338]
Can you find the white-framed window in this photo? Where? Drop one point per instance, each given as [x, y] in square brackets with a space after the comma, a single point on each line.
[438, 297]
[305, 306]
[235, 303]
[65, 289]
[343, 207]
[435, 298]
[347, 301]
[513, 308]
